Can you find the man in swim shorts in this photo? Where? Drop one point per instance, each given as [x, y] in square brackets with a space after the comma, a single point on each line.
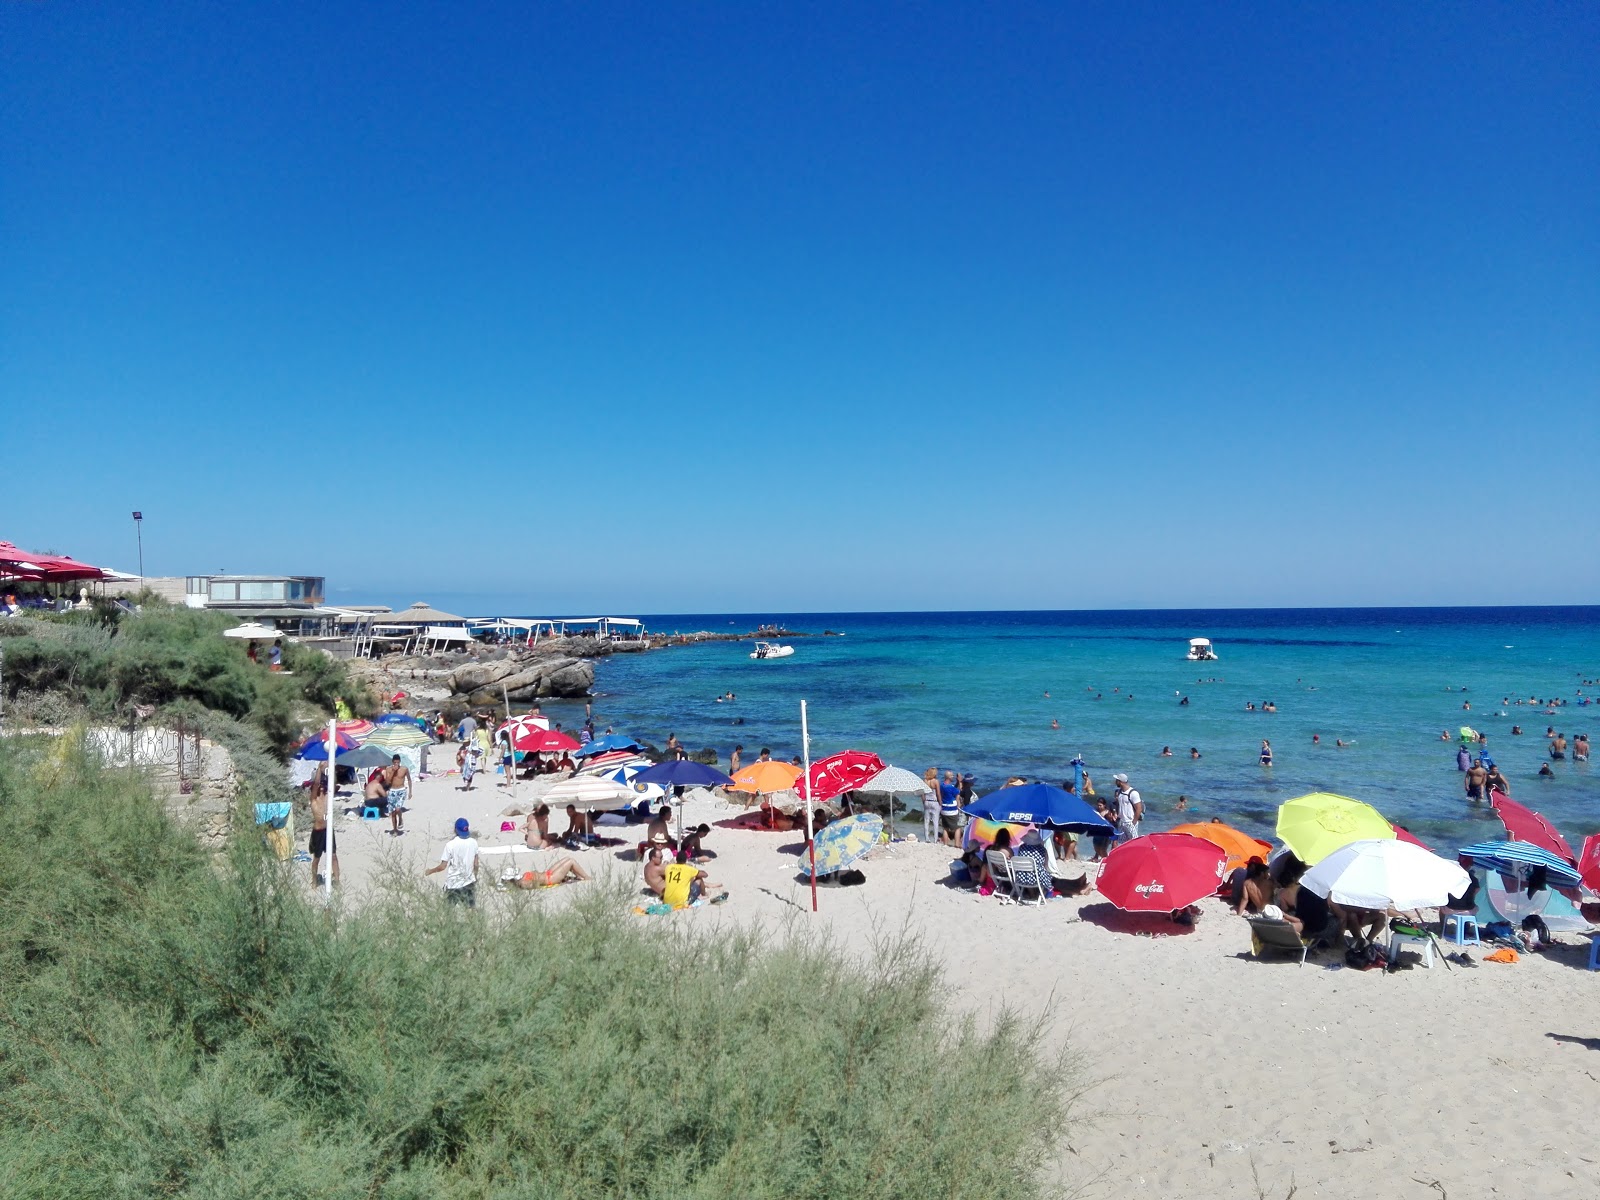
[397, 779]
[1476, 778]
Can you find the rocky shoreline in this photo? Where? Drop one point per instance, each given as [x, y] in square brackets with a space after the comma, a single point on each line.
[559, 668]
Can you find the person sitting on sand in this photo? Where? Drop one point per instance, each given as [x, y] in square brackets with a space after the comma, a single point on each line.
[560, 871]
[659, 832]
[580, 826]
[1252, 887]
[655, 871]
[1364, 925]
[686, 884]
[536, 833]
[692, 844]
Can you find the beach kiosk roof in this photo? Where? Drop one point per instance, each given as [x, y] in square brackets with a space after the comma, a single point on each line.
[422, 613]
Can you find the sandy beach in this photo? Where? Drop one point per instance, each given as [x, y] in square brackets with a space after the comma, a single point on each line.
[1211, 1073]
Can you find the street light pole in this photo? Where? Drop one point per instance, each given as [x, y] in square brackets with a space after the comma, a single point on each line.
[138, 532]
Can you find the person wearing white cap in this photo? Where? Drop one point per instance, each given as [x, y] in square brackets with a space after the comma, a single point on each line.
[1130, 808]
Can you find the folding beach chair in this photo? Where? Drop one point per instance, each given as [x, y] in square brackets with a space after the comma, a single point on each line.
[1270, 933]
[1026, 877]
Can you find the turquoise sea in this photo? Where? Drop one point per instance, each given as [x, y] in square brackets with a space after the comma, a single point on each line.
[968, 691]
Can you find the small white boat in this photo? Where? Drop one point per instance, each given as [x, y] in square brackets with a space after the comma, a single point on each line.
[771, 650]
[1200, 650]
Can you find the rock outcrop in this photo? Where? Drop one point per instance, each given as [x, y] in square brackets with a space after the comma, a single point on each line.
[522, 678]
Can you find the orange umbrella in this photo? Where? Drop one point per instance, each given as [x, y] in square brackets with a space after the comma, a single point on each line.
[1240, 846]
[763, 777]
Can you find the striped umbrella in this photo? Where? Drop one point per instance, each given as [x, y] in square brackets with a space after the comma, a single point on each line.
[358, 728]
[1518, 858]
[523, 729]
[587, 793]
[398, 737]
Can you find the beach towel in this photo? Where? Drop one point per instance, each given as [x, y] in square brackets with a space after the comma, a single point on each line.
[1504, 955]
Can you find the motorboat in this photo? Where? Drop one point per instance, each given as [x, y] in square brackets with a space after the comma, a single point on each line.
[771, 650]
[1200, 650]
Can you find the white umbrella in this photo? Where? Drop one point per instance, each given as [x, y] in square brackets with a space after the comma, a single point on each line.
[255, 631]
[590, 794]
[1385, 874]
[895, 781]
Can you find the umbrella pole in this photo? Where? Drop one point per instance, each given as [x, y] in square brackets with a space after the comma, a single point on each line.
[327, 801]
[811, 837]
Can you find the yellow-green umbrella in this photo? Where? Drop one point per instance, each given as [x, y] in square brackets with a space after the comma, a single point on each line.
[1316, 825]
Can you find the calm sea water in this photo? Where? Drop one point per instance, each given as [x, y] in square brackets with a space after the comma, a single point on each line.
[968, 691]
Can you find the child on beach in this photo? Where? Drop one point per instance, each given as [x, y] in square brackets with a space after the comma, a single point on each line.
[467, 759]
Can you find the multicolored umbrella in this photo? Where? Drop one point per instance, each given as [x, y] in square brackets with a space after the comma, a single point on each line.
[1161, 872]
[359, 728]
[838, 774]
[1317, 824]
[315, 747]
[522, 728]
[1386, 873]
[1239, 845]
[1525, 825]
[840, 844]
[765, 777]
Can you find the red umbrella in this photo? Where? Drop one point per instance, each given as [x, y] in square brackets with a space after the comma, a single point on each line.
[1161, 872]
[543, 741]
[53, 568]
[839, 773]
[1405, 835]
[358, 728]
[523, 727]
[1589, 864]
[1525, 825]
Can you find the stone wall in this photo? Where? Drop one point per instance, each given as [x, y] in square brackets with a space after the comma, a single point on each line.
[194, 777]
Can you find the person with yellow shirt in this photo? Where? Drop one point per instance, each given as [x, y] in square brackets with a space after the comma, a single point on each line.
[686, 884]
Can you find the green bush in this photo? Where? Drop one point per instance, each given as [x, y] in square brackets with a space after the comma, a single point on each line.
[173, 1030]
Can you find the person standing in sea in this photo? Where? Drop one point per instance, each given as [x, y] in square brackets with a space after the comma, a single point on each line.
[1129, 808]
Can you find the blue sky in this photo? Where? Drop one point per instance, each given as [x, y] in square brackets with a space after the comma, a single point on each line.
[758, 307]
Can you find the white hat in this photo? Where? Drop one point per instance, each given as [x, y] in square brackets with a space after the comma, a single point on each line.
[1119, 778]
[1272, 912]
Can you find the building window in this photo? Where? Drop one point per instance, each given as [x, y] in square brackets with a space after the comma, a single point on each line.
[224, 593]
[258, 590]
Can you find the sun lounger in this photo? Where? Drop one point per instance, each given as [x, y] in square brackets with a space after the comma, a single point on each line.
[1271, 934]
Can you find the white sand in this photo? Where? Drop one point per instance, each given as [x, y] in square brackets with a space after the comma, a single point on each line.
[1347, 1084]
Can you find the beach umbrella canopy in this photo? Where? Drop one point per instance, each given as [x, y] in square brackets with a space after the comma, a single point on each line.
[629, 777]
[764, 777]
[590, 793]
[397, 737]
[395, 718]
[50, 568]
[682, 772]
[522, 728]
[1518, 858]
[610, 760]
[315, 747]
[606, 742]
[255, 631]
[1405, 835]
[1386, 873]
[982, 833]
[1161, 872]
[840, 844]
[1039, 804]
[1239, 846]
[838, 774]
[534, 740]
[895, 781]
[1317, 824]
[1525, 825]
[1589, 863]
[364, 756]
[357, 728]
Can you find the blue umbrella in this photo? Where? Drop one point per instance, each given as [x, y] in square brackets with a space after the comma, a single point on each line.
[1513, 858]
[1039, 804]
[683, 772]
[602, 745]
[399, 718]
[316, 747]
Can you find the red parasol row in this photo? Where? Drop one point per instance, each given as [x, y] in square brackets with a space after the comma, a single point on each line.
[45, 568]
[838, 774]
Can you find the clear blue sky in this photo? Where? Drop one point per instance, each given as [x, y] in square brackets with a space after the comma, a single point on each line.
[762, 307]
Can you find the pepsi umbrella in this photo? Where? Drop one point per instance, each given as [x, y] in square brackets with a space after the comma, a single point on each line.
[610, 741]
[395, 718]
[1518, 858]
[1040, 804]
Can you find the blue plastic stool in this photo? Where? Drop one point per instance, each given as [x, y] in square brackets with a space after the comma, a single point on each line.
[1465, 931]
[1594, 952]
[370, 813]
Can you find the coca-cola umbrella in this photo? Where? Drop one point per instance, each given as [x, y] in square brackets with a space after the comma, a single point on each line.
[1525, 825]
[1589, 862]
[1161, 872]
[838, 774]
[50, 568]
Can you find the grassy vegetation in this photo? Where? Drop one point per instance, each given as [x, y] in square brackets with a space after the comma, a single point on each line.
[106, 664]
[167, 1029]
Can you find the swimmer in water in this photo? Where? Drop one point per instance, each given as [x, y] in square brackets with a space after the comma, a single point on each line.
[1054, 724]
[1266, 753]
[1166, 752]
